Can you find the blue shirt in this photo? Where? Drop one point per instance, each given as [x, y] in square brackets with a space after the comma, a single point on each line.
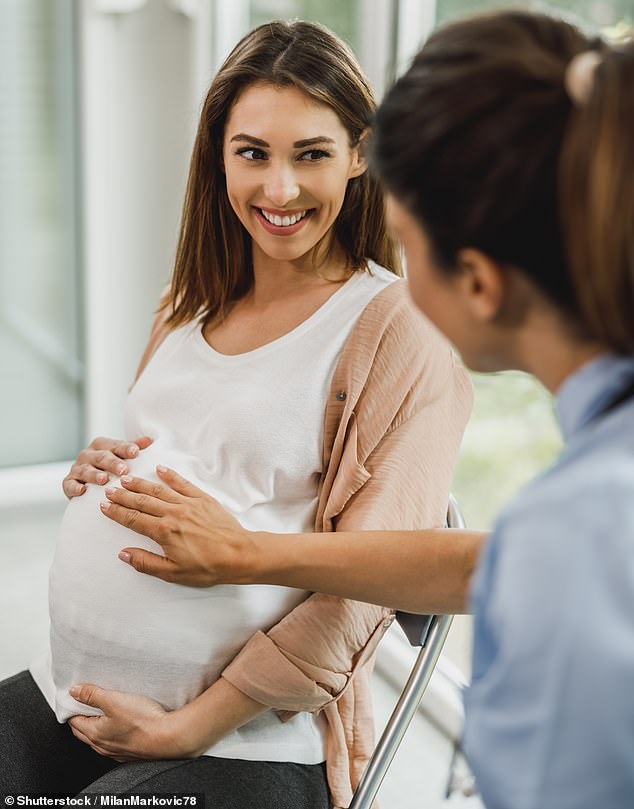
[550, 712]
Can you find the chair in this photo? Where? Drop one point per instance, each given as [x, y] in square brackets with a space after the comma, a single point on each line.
[429, 632]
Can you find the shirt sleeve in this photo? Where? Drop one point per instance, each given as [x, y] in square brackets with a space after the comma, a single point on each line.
[548, 716]
[310, 657]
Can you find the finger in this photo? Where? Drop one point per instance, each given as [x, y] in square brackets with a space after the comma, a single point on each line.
[138, 522]
[130, 449]
[150, 563]
[73, 488]
[105, 460]
[83, 725]
[157, 490]
[86, 740]
[143, 503]
[178, 483]
[87, 473]
[90, 694]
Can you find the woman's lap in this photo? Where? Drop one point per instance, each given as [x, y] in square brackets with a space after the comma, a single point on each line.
[38, 754]
[226, 783]
[41, 756]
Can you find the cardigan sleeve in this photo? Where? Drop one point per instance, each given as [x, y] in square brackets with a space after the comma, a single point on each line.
[310, 657]
[411, 469]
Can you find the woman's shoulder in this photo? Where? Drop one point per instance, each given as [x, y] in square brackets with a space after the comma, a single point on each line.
[393, 348]
[391, 322]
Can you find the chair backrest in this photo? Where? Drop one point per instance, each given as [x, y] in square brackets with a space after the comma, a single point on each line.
[429, 632]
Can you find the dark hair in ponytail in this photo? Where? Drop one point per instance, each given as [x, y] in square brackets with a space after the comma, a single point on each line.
[482, 142]
[597, 200]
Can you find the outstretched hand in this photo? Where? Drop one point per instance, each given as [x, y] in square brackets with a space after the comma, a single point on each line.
[199, 537]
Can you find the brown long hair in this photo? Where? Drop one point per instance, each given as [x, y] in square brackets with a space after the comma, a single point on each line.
[482, 141]
[213, 265]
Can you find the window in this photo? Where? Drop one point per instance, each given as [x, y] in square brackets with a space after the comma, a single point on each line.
[40, 365]
[368, 26]
[340, 17]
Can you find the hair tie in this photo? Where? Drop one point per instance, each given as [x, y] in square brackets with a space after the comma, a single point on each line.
[579, 76]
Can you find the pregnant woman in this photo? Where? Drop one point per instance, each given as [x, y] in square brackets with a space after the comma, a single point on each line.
[285, 377]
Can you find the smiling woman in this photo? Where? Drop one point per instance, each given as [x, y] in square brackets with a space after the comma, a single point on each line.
[284, 377]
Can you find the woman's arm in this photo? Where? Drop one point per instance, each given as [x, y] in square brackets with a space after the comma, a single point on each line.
[134, 727]
[427, 571]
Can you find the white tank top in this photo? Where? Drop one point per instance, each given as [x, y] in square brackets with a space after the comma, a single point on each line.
[247, 429]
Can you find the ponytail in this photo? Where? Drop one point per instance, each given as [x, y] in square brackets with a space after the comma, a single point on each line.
[597, 200]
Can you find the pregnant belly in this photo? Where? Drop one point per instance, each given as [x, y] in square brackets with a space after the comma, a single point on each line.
[115, 627]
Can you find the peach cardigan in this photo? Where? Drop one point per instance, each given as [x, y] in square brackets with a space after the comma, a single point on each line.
[398, 405]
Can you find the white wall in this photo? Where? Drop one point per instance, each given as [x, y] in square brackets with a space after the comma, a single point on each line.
[140, 94]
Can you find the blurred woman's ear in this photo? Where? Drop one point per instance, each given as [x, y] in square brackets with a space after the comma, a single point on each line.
[483, 283]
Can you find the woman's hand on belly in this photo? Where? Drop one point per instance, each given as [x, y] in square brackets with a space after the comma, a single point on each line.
[134, 727]
[103, 455]
[199, 537]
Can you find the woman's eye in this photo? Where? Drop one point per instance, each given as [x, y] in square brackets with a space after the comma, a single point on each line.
[251, 153]
[314, 155]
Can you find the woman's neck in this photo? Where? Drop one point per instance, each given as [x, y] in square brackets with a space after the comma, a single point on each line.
[275, 279]
[551, 349]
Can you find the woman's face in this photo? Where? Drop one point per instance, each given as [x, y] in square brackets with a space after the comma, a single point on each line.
[287, 162]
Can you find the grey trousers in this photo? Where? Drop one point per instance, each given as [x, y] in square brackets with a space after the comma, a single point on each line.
[39, 756]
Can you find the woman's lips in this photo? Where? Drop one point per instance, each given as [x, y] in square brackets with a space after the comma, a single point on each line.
[282, 230]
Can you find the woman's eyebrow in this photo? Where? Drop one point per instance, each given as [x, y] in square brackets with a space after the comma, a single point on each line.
[299, 144]
[250, 139]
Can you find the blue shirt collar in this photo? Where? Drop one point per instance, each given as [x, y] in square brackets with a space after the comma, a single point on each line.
[588, 390]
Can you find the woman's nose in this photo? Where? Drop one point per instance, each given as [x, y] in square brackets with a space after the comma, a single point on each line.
[281, 186]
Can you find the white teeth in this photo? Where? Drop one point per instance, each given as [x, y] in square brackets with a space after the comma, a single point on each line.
[285, 221]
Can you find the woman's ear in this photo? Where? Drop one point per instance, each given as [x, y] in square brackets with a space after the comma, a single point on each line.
[483, 282]
[359, 164]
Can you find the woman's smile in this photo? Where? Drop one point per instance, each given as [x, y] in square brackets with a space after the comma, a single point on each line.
[282, 222]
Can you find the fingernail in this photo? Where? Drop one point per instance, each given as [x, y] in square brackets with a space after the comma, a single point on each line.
[134, 450]
[102, 477]
[105, 506]
[74, 691]
[124, 556]
[126, 479]
[110, 491]
[162, 469]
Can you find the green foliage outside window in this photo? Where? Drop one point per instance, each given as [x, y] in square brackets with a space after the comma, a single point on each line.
[512, 436]
[341, 17]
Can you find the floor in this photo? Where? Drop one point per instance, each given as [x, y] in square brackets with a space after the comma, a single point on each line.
[417, 777]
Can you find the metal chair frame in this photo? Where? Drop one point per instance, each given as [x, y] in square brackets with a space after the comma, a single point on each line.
[433, 631]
